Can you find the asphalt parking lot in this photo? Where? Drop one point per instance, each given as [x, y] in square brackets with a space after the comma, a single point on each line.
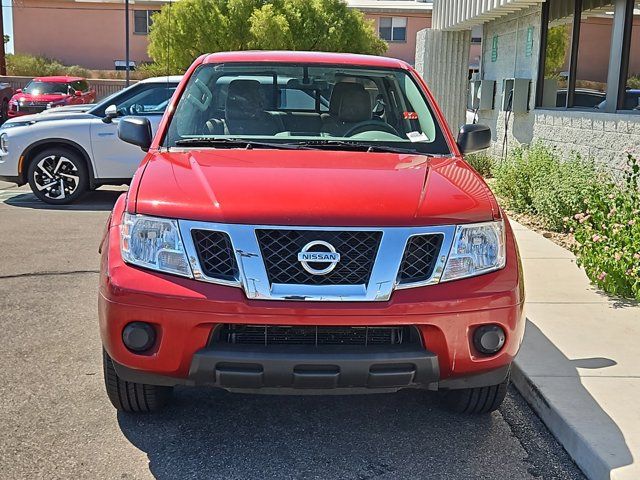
[56, 421]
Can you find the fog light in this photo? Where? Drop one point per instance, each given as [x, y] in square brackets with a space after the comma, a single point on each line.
[489, 339]
[138, 336]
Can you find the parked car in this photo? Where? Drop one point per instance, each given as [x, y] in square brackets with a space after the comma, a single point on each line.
[65, 151]
[583, 97]
[49, 92]
[339, 242]
[631, 100]
[6, 92]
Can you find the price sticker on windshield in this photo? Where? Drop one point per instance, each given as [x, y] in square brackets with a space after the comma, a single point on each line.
[417, 137]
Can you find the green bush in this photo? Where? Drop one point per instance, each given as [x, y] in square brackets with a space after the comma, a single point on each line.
[537, 180]
[607, 233]
[33, 66]
[481, 162]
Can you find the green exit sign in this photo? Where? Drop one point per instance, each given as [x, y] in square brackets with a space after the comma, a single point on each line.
[494, 48]
[528, 49]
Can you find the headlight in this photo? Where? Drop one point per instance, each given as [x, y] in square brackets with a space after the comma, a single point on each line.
[4, 143]
[8, 125]
[477, 248]
[153, 243]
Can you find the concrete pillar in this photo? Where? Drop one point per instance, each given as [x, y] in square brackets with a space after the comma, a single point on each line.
[442, 58]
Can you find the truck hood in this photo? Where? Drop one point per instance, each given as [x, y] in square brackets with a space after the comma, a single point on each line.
[311, 188]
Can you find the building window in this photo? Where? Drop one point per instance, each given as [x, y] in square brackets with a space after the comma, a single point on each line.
[393, 29]
[576, 67]
[631, 93]
[142, 20]
[476, 35]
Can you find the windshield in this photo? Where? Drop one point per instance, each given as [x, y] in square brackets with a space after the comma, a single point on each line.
[36, 87]
[305, 104]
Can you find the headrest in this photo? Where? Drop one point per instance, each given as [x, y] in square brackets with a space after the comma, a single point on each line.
[350, 102]
[244, 100]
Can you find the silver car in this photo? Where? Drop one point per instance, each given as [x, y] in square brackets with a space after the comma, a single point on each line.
[64, 152]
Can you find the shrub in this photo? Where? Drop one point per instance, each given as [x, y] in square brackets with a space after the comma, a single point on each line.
[607, 233]
[537, 180]
[481, 162]
[33, 66]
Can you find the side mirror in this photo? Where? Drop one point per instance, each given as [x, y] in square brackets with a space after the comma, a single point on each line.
[78, 93]
[110, 113]
[473, 138]
[136, 130]
[18, 90]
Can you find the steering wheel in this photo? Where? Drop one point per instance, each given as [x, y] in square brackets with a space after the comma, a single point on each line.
[136, 109]
[378, 125]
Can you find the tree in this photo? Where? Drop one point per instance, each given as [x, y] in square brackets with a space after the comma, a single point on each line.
[184, 30]
[557, 42]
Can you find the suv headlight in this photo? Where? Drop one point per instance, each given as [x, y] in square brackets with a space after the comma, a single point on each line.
[477, 248]
[154, 243]
[4, 143]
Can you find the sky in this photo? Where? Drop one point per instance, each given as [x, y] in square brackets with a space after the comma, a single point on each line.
[8, 23]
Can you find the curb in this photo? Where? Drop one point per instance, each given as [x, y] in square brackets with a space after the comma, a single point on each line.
[589, 460]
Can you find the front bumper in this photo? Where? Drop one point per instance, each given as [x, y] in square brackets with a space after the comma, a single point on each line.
[186, 312]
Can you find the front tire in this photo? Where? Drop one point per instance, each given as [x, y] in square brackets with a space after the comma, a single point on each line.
[58, 176]
[477, 400]
[132, 397]
[4, 111]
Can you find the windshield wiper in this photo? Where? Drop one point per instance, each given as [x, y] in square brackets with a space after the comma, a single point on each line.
[357, 146]
[235, 143]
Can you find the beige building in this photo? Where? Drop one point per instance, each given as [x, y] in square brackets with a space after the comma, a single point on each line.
[92, 33]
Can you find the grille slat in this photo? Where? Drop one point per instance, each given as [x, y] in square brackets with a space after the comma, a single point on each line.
[314, 335]
[420, 258]
[357, 249]
[215, 253]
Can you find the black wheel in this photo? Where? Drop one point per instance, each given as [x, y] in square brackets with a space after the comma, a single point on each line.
[476, 400]
[4, 111]
[130, 396]
[58, 176]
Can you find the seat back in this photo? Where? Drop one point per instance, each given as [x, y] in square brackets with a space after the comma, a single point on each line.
[244, 110]
[349, 105]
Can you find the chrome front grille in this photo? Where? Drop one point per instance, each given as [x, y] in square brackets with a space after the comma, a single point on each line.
[419, 259]
[280, 248]
[216, 255]
[32, 107]
[272, 262]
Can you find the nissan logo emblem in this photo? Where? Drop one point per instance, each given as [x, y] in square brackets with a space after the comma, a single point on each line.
[318, 253]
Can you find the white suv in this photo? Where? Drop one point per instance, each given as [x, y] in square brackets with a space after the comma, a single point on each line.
[63, 152]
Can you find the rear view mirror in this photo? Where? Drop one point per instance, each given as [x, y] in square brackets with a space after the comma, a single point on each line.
[473, 138]
[136, 131]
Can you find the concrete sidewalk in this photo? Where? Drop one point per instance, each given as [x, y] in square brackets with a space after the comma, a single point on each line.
[579, 364]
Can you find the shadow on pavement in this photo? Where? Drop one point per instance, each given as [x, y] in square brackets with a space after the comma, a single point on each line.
[209, 433]
[96, 200]
[554, 389]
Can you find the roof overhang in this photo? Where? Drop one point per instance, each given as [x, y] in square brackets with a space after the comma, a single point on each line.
[466, 14]
[391, 6]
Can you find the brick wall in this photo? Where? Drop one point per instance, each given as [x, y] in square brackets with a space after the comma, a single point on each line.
[604, 137]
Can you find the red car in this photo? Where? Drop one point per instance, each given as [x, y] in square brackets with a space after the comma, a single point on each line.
[306, 223]
[49, 92]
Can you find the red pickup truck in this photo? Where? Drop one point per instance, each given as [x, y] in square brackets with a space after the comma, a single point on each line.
[306, 223]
